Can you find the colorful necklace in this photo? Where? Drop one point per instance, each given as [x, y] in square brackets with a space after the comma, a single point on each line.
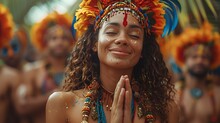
[94, 105]
[196, 93]
[106, 98]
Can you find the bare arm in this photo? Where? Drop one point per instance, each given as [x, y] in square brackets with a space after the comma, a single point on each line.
[26, 103]
[174, 113]
[29, 105]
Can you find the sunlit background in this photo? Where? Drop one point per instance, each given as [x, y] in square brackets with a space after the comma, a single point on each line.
[26, 13]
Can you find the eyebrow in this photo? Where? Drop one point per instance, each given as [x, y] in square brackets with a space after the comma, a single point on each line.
[135, 26]
[113, 24]
[130, 26]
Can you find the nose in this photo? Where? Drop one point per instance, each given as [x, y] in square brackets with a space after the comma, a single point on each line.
[122, 39]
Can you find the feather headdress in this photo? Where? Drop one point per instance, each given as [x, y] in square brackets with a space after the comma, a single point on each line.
[158, 16]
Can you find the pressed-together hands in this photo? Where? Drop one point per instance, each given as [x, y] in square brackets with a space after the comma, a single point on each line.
[121, 106]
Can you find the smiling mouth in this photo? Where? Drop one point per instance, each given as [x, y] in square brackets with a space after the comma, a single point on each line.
[119, 52]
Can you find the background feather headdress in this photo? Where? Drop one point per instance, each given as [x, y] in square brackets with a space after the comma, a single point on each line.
[192, 36]
[39, 30]
[6, 25]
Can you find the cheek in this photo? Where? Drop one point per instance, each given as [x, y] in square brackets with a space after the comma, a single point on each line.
[188, 62]
[101, 49]
[66, 42]
[50, 43]
[137, 46]
[103, 43]
[104, 40]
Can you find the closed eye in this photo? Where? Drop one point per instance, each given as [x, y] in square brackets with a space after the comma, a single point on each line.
[111, 33]
[135, 36]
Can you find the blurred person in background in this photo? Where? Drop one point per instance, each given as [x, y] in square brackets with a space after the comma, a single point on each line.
[9, 77]
[13, 52]
[52, 37]
[12, 55]
[197, 52]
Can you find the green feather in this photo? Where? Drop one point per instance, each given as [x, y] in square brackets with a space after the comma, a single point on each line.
[202, 9]
[210, 5]
[195, 10]
[183, 15]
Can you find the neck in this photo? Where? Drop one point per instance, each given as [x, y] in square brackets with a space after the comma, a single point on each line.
[193, 82]
[110, 76]
[57, 65]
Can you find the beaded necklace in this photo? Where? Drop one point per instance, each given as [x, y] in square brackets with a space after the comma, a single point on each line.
[94, 105]
[106, 98]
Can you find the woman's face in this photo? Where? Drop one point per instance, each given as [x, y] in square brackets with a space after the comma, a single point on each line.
[120, 41]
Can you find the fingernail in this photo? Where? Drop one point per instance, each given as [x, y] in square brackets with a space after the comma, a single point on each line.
[126, 76]
[122, 77]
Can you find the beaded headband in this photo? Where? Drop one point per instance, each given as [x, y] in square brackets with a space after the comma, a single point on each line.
[193, 36]
[157, 16]
[6, 25]
[39, 30]
[119, 7]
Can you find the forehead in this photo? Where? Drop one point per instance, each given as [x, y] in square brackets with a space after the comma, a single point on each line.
[120, 17]
[200, 50]
[55, 30]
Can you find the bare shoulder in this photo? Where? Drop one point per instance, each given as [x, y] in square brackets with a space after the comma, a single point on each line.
[8, 71]
[11, 75]
[173, 107]
[59, 100]
[61, 97]
[174, 111]
[33, 71]
[56, 105]
[178, 91]
[31, 66]
[59, 104]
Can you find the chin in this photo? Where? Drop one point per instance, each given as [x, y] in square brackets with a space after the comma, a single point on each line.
[121, 64]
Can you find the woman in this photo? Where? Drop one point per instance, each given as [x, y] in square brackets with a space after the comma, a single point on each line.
[116, 73]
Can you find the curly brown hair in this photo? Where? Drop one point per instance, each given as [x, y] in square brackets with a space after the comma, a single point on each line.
[150, 72]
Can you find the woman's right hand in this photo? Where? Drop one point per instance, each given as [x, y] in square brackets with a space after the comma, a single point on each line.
[121, 111]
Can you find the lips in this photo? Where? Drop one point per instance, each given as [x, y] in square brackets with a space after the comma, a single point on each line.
[120, 51]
